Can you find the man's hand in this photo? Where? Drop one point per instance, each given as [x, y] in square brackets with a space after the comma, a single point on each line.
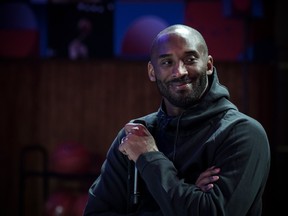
[137, 141]
[206, 178]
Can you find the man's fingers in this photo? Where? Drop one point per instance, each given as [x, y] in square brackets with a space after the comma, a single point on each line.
[137, 129]
[207, 187]
[207, 178]
[209, 172]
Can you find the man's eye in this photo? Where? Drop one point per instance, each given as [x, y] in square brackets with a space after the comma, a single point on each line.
[189, 60]
[166, 62]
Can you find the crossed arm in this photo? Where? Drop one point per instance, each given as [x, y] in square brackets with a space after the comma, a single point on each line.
[138, 140]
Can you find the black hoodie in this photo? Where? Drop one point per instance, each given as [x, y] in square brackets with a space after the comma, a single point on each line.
[211, 133]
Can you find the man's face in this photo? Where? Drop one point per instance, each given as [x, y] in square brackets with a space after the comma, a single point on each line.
[180, 70]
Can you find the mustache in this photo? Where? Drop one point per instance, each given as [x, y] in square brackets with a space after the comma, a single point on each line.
[184, 79]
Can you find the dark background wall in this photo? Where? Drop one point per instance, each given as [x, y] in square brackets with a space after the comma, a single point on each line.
[52, 101]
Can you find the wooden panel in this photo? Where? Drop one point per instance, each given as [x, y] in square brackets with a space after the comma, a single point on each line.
[89, 102]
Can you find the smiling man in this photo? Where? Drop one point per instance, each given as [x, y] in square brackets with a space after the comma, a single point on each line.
[196, 155]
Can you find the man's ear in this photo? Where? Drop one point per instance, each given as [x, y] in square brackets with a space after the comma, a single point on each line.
[209, 65]
[151, 72]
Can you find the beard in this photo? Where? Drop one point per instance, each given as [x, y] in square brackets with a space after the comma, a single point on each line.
[183, 98]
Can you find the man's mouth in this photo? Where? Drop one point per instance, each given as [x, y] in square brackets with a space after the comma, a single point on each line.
[181, 85]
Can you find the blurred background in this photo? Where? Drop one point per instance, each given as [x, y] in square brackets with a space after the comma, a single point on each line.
[72, 73]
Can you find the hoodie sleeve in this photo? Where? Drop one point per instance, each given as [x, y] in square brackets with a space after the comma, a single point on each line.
[244, 159]
[109, 195]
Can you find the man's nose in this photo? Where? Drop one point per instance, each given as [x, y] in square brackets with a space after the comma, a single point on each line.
[179, 69]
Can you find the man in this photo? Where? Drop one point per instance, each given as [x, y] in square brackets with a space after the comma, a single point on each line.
[197, 155]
